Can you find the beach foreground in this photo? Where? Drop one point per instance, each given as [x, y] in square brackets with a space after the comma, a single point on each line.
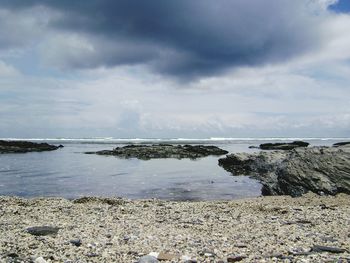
[266, 229]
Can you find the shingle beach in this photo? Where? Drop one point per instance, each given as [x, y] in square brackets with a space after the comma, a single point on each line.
[310, 228]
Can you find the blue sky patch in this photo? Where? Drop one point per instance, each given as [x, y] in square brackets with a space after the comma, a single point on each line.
[342, 6]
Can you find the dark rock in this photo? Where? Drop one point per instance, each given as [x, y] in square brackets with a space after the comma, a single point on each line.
[251, 164]
[236, 258]
[42, 230]
[300, 253]
[281, 256]
[327, 249]
[322, 170]
[147, 152]
[253, 147]
[12, 255]
[341, 144]
[241, 245]
[323, 206]
[301, 222]
[92, 255]
[283, 145]
[75, 242]
[24, 147]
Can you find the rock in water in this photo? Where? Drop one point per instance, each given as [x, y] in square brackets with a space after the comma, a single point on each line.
[341, 144]
[283, 146]
[147, 152]
[295, 172]
[23, 147]
[42, 230]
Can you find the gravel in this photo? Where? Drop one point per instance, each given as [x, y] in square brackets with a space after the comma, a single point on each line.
[310, 228]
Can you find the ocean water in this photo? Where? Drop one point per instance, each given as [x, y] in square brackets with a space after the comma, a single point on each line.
[70, 173]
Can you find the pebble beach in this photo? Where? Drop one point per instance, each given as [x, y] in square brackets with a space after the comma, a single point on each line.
[310, 228]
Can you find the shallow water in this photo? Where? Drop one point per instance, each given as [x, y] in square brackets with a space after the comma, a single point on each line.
[70, 173]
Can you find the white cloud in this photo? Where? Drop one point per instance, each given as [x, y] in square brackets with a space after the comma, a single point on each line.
[305, 96]
[20, 29]
[118, 106]
[8, 70]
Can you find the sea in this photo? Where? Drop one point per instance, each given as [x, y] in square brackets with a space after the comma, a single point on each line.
[70, 173]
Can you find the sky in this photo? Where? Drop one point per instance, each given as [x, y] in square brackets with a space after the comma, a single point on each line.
[164, 68]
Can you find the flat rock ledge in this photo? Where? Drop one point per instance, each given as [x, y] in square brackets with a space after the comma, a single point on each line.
[25, 146]
[310, 228]
[281, 145]
[322, 170]
[157, 151]
[341, 144]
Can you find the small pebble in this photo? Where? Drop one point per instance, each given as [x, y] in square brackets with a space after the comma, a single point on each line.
[75, 242]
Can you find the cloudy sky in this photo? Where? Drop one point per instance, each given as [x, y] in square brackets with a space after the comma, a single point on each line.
[164, 68]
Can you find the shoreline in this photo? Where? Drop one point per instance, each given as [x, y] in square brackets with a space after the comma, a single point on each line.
[262, 229]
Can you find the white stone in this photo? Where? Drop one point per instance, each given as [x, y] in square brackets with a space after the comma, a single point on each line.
[154, 254]
[40, 260]
[185, 258]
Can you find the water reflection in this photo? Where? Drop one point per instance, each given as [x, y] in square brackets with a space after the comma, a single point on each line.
[70, 173]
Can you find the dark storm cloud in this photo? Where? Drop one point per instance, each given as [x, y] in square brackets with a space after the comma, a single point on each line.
[184, 38]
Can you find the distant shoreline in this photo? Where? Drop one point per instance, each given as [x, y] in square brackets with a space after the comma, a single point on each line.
[112, 139]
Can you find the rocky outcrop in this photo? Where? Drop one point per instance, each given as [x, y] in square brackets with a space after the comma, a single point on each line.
[322, 170]
[156, 151]
[283, 145]
[341, 144]
[24, 146]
